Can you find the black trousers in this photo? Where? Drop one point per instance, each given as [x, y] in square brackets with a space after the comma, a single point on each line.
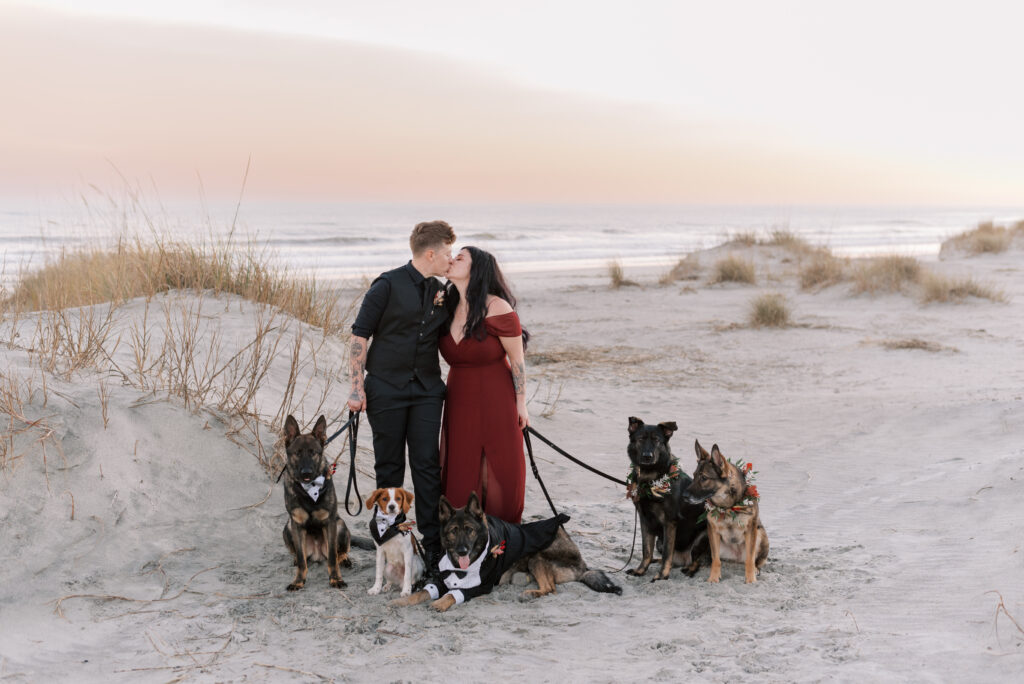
[410, 416]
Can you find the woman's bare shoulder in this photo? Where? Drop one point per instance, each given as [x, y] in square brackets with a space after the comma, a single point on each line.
[496, 306]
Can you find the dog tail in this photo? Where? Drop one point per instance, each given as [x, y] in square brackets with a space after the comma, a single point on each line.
[598, 581]
[364, 543]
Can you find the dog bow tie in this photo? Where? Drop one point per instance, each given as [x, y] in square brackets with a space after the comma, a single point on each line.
[313, 488]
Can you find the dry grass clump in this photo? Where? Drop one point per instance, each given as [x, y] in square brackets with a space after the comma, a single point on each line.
[746, 238]
[137, 268]
[912, 343]
[733, 269]
[823, 270]
[688, 268]
[617, 277]
[936, 288]
[986, 238]
[769, 311]
[886, 274]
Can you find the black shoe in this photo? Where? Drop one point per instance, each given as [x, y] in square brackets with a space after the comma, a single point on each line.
[433, 573]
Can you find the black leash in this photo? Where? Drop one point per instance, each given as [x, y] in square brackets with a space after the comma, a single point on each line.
[536, 473]
[351, 417]
[353, 425]
[561, 451]
[533, 464]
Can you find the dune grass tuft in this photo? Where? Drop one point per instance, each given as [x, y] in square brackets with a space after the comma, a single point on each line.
[986, 238]
[136, 268]
[823, 270]
[941, 289]
[887, 274]
[769, 311]
[618, 277]
[734, 269]
[687, 268]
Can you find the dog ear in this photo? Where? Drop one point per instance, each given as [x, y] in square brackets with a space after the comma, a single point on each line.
[718, 459]
[473, 506]
[374, 495]
[668, 428]
[445, 511]
[320, 430]
[407, 498]
[702, 453]
[291, 429]
[635, 424]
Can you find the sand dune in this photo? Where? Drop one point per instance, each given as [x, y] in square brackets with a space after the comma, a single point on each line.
[891, 473]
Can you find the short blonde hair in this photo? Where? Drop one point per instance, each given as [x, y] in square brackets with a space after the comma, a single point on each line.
[430, 235]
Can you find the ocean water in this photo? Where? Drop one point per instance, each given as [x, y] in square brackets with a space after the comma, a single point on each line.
[350, 240]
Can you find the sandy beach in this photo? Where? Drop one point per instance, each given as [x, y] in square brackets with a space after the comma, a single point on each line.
[143, 535]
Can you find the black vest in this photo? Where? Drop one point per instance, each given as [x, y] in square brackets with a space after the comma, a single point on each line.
[405, 342]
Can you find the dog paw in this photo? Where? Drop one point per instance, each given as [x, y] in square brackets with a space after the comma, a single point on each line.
[636, 572]
[346, 562]
[714, 580]
[406, 592]
[373, 591]
[338, 583]
[442, 604]
[295, 586]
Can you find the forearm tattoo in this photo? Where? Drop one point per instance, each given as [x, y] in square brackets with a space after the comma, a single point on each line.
[519, 377]
[357, 366]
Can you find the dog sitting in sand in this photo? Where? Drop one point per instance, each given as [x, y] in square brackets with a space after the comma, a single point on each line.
[735, 532]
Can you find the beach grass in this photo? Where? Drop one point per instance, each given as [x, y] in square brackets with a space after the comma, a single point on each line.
[618, 277]
[734, 269]
[942, 289]
[135, 267]
[687, 268]
[985, 238]
[886, 274]
[823, 270]
[770, 310]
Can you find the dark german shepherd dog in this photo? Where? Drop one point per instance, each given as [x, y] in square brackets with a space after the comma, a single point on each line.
[313, 531]
[482, 551]
[656, 485]
[735, 532]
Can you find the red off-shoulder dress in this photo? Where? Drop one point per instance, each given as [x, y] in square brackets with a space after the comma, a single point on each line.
[481, 443]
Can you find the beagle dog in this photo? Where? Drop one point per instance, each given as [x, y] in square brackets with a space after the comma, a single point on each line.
[399, 556]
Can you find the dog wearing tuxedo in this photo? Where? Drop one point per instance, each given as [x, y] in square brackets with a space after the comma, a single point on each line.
[481, 551]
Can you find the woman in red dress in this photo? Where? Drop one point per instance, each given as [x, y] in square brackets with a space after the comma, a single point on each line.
[485, 407]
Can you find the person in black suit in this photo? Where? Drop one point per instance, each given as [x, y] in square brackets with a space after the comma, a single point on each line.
[403, 392]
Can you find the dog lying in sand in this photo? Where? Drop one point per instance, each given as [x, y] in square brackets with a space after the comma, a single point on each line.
[481, 551]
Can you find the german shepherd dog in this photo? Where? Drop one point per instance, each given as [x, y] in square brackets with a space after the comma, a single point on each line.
[313, 531]
[735, 531]
[656, 487]
[492, 549]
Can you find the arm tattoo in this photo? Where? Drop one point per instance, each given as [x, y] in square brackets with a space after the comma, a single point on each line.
[519, 377]
[357, 365]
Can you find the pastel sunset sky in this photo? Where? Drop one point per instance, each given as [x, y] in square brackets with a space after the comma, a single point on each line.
[730, 102]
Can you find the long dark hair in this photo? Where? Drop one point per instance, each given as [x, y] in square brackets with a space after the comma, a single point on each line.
[485, 278]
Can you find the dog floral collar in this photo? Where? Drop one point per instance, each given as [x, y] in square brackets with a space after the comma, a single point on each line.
[750, 495]
[654, 489]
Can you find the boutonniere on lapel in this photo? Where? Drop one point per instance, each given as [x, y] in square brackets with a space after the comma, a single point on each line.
[498, 549]
[439, 298]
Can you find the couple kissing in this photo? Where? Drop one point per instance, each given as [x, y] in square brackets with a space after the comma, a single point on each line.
[463, 438]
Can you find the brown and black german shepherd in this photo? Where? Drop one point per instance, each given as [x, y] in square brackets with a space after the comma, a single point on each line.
[735, 531]
[313, 531]
[666, 519]
[493, 549]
